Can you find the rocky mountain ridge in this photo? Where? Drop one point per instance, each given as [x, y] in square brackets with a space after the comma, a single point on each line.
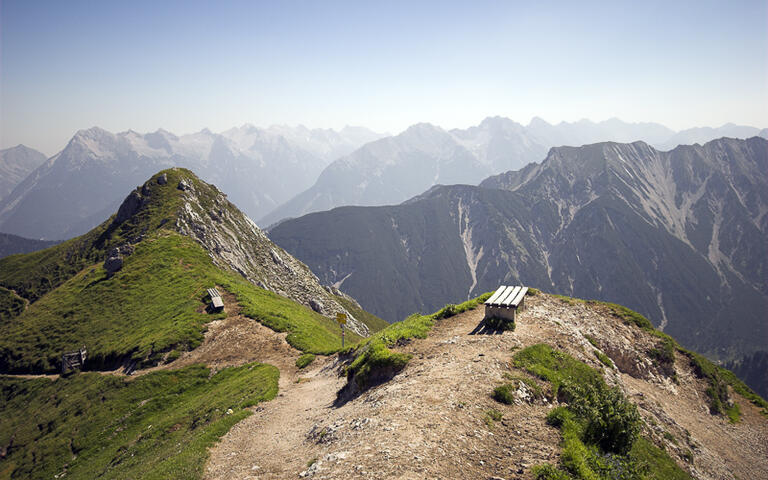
[438, 417]
[394, 169]
[233, 241]
[678, 236]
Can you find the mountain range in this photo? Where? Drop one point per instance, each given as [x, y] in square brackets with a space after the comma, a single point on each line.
[393, 169]
[169, 240]
[281, 172]
[77, 188]
[161, 383]
[13, 244]
[678, 236]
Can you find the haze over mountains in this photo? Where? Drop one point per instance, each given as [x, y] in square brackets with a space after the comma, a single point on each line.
[79, 187]
[394, 169]
[281, 172]
[678, 236]
[15, 164]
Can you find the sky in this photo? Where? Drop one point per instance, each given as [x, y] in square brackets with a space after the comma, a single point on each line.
[185, 66]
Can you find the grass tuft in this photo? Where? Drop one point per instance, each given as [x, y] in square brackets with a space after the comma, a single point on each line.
[304, 360]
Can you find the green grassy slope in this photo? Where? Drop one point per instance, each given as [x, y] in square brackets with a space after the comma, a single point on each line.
[373, 322]
[150, 307]
[34, 274]
[155, 426]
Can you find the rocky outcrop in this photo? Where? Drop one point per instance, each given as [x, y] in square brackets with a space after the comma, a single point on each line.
[234, 241]
[114, 261]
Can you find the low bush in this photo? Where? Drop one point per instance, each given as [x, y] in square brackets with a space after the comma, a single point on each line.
[599, 426]
[663, 356]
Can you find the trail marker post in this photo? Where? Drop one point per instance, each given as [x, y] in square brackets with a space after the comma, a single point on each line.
[342, 319]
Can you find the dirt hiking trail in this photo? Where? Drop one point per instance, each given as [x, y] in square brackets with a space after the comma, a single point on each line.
[436, 418]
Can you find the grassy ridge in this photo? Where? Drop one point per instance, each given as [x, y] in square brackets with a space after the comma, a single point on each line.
[373, 354]
[157, 425]
[308, 331]
[150, 307]
[34, 274]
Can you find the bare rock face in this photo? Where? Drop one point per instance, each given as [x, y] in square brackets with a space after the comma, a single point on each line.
[162, 179]
[233, 240]
[129, 207]
[114, 261]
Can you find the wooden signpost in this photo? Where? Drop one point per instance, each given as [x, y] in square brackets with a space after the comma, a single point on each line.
[342, 319]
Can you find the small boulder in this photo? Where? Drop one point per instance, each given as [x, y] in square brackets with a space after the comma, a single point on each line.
[113, 264]
[162, 179]
[183, 186]
[316, 305]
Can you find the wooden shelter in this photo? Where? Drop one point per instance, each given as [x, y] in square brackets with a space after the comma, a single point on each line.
[73, 360]
[505, 301]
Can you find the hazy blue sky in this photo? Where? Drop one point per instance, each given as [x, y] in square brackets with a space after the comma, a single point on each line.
[182, 66]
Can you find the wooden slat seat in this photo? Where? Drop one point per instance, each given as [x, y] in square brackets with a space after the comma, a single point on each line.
[496, 295]
[505, 301]
[216, 301]
[519, 297]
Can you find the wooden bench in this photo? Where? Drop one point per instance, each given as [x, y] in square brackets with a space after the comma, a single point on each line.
[73, 360]
[505, 301]
[217, 304]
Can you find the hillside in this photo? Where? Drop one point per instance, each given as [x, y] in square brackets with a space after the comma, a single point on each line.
[13, 244]
[133, 289]
[437, 417]
[678, 236]
[78, 187]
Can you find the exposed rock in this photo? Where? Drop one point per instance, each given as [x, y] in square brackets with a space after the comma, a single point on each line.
[113, 264]
[129, 207]
[235, 242]
[162, 179]
[315, 305]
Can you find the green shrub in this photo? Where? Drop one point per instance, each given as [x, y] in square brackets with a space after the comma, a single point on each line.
[612, 422]
[305, 360]
[548, 471]
[663, 356]
[599, 427]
